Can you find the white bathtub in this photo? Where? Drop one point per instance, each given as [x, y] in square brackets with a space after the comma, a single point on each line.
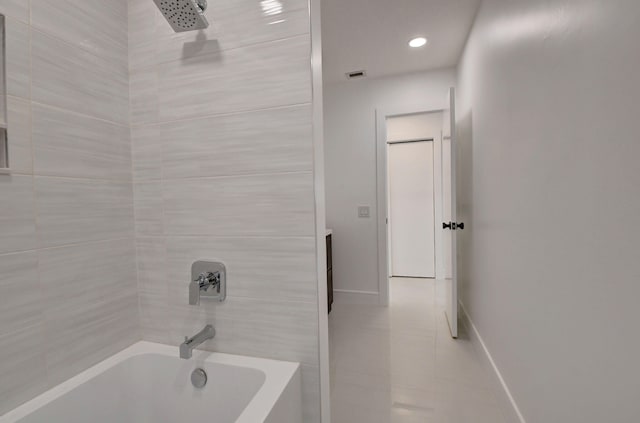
[148, 383]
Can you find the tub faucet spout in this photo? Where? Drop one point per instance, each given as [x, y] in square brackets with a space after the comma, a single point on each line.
[186, 348]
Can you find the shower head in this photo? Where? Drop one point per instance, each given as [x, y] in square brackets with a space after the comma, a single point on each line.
[184, 15]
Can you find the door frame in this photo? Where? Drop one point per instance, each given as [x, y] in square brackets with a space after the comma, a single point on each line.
[382, 190]
[324, 371]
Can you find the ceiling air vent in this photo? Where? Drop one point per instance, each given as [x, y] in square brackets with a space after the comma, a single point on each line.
[356, 74]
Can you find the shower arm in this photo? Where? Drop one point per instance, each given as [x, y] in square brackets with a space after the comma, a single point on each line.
[202, 5]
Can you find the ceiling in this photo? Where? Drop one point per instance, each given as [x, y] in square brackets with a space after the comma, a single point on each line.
[373, 35]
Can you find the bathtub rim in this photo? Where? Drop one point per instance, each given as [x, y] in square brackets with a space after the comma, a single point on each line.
[278, 375]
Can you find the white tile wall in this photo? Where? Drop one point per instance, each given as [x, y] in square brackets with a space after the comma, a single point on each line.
[19, 119]
[71, 144]
[257, 265]
[81, 337]
[222, 162]
[72, 78]
[95, 26]
[109, 204]
[74, 274]
[233, 24]
[17, 214]
[243, 79]
[18, 61]
[224, 145]
[238, 144]
[80, 210]
[67, 249]
[264, 205]
[148, 207]
[18, 9]
[22, 366]
[87, 319]
[19, 283]
[147, 153]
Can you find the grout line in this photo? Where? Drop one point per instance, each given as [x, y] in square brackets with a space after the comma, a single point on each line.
[237, 176]
[105, 58]
[36, 209]
[262, 299]
[15, 18]
[208, 177]
[216, 115]
[78, 114]
[63, 110]
[219, 52]
[221, 237]
[133, 185]
[75, 244]
[74, 178]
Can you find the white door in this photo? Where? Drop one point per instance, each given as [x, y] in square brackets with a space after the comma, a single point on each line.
[450, 225]
[411, 208]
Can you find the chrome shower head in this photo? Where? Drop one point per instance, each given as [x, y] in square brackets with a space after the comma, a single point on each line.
[184, 15]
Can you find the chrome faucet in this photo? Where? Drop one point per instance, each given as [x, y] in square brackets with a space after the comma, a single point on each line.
[186, 348]
[208, 280]
[202, 283]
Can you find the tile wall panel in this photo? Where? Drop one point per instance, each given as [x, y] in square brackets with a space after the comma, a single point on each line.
[71, 78]
[247, 78]
[67, 249]
[18, 61]
[234, 23]
[22, 366]
[222, 142]
[264, 205]
[18, 9]
[71, 144]
[21, 305]
[269, 268]
[81, 210]
[238, 144]
[20, 146]
[96, 26]
[17, 214]
[148, 208]
[210, 131]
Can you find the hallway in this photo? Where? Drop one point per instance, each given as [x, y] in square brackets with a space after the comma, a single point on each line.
[400, 365]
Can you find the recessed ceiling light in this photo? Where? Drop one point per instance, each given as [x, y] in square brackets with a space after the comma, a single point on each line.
[418, 42]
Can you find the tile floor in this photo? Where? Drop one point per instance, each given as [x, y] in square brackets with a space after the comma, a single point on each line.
[399, 364]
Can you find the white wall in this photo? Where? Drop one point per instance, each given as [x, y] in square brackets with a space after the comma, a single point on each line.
[548, 121]
[223, 170]
[350, 163]
[414, 127]
[67, 256]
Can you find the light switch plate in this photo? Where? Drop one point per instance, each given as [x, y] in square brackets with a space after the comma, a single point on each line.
[364, 211]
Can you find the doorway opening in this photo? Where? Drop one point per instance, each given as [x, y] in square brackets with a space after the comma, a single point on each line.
[413, 162]
[436, 125]
[411, 209]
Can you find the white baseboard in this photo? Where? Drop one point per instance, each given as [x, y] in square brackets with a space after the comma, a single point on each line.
[508, 403]
[346, 296]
